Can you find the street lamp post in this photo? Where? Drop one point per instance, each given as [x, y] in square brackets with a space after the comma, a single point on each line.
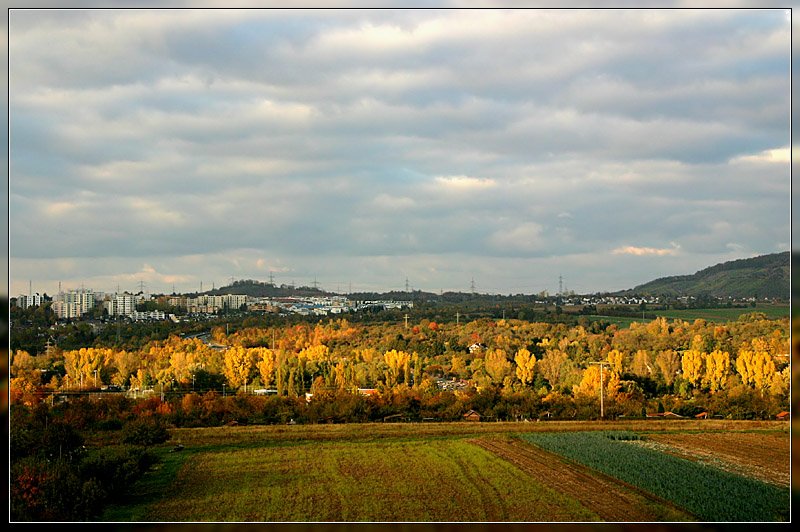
[95, 378]
[223, 390]
[192, 382]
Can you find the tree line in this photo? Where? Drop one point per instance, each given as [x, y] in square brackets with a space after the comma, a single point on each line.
[642, 365]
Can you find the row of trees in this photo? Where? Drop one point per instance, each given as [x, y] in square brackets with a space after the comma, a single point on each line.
[646, 360]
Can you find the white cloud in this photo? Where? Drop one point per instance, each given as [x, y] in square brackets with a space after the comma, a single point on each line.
[464, 183]
[776, 155]
[640, 251]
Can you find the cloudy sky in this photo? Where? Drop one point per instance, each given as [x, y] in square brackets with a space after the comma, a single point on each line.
[362, 148]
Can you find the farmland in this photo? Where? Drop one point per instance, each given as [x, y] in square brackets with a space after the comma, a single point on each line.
[703, 490]
[417, 472]
[717, 315]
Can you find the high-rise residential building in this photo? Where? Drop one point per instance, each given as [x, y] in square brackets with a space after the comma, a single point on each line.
[29, 300]
[120, 304]
[73, 303]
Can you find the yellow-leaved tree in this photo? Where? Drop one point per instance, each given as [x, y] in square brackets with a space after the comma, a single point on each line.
[266, 362]
[315, 353]
[396, 361]
[718, 367]
[692, 366]
[525, 365]
[756, 368]
[239, 365]
[590, 383]
[616, 360]
[497, 365]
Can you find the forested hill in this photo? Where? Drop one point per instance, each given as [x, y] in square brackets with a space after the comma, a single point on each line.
[764, 276]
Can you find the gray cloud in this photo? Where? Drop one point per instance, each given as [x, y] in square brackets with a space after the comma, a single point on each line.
[378, 145]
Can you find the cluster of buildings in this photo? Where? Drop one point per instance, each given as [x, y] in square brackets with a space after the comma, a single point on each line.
[610, 300]
[79, 302]
[305, 306]
[205, 304]
[76, 303]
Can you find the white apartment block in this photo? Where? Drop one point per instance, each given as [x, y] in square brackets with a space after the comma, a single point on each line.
[121, 304]
[32, 300]
[73, 304]
[211, 304]
[152, 315]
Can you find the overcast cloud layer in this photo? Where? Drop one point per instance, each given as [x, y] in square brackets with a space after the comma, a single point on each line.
[361, 148]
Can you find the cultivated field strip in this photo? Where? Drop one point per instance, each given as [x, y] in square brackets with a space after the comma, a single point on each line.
[760, 455]
[603, 495]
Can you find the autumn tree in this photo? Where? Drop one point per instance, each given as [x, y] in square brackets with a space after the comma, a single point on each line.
[497, 365]
[668, 362]
[616, 360]
[692, 366]
[239, 365]
[641, 364]
[525, 365]
[551, 366]
[718, 366]
[266, 363]
[397, 362]
[756, 368]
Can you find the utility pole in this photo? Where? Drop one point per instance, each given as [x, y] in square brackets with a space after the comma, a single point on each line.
[271, 279]
[472, 286]
[406, 284]
[601, 364]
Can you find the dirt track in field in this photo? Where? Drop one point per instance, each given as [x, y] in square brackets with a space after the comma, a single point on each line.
[763, 456]
[609, 498]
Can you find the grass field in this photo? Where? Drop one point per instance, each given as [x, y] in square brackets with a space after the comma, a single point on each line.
[390, 472]
[436, 480]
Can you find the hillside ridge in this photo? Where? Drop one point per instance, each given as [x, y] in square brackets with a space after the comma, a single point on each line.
[762, 276]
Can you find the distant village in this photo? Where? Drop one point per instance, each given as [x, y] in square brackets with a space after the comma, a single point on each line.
[81, 303]
[77, 303]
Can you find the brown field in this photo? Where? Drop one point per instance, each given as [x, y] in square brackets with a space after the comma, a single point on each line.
[256, 434]
[609, 498]
[762, 455]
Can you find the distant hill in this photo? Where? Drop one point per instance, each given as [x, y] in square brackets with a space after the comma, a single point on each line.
[764, 276]
[250, 287]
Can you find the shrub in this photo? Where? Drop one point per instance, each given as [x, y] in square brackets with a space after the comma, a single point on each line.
[145, 431]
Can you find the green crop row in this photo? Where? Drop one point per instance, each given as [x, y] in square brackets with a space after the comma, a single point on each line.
[711, 494]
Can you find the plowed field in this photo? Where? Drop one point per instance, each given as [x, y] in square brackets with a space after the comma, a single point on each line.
[609, 498]
[763, 455]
